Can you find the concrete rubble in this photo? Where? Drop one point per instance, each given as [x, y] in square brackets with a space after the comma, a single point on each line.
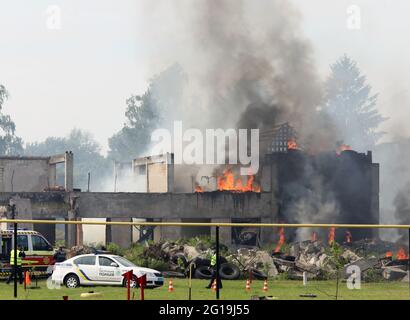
[315, 259]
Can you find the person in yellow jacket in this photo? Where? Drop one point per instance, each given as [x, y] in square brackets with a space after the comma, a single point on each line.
[213, 270]
[18, 270]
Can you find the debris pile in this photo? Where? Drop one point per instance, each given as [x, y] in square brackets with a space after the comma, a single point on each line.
[376, 260]
[323, 261]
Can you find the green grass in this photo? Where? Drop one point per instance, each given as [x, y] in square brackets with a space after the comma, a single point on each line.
[281, 289]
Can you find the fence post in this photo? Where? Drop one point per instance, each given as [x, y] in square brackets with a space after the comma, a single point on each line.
[13, 215]
[217, 262]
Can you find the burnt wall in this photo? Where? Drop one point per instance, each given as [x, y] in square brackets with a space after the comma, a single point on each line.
[44, 205]
[206, 205]
[24, 174]
[326, 188]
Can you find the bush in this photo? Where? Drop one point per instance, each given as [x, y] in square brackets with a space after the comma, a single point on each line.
[115, 249]
[373, 275]
[282, 276]
[139, 255]
[60, 243]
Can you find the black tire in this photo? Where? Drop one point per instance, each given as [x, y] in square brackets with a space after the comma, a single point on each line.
[229, 271]
[222, 260]
[203, 272]
[259, 275]
[201, 262]
[179, 256]
[72, 281]
[134, 282]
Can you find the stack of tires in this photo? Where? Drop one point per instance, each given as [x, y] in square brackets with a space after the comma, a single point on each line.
[227, 271]
[201, 269]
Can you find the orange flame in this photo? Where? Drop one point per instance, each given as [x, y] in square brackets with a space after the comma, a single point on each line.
[281, 241]
[349, 237]
[199, 189]
[314, 236]
[342, 148]
[331, 236]
[227, 182]
[389, 254]
[401, 254]
[292, 145]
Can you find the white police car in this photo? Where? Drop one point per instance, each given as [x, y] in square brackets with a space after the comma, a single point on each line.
[101, 269]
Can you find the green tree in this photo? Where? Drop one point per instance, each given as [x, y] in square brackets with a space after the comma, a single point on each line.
[142, 118]
[87, 158]
[147, 112]
[10, 144]
[348, 100]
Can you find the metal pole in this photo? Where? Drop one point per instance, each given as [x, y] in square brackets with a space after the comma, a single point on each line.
[13, 214]
[190, 282]
[337, 283]
[142, 286]
[210, 224]
[217, 262]
[89, 177]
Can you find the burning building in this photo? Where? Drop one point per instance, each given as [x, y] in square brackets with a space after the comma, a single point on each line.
[292, 186]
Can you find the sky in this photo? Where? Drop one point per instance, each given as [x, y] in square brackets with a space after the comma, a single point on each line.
[79, 72]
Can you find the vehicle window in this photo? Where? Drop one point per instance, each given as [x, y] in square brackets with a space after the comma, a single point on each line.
[39, 244]
[89, 260]
[5, 246]
[106, 262]
[22, 240]
[125, 262]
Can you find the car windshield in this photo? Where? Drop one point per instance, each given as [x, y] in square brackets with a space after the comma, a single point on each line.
[125, 262]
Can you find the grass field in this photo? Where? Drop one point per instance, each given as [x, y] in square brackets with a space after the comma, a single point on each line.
[235, 290]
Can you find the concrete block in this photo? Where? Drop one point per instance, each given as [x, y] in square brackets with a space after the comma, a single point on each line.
[23, 209]
[171, 233]
[120, 235]
[71, 230]
[69, 171]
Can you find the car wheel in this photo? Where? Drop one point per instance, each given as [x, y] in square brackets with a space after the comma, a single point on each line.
[133, 283]
[72, 281]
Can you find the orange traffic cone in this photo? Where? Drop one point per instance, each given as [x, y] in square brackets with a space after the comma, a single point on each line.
[27, 279]
[248, 285]
[170, 286]
[214, 286]
[265, 286]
